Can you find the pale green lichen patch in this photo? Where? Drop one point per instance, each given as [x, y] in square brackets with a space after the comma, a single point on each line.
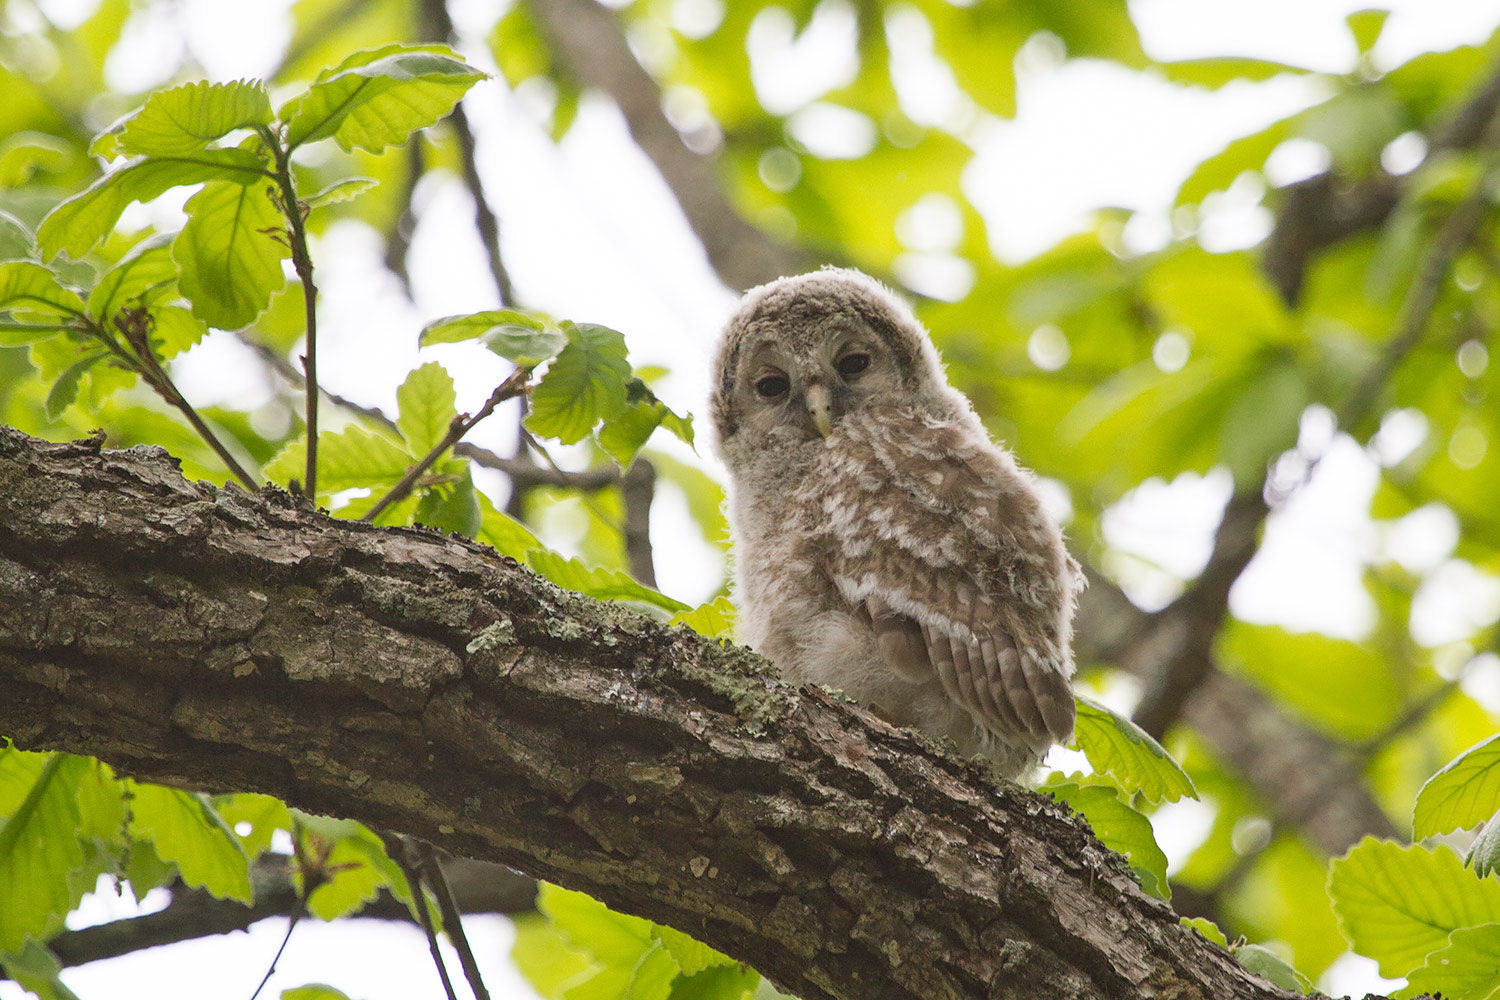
[745, 679]
[494, 635]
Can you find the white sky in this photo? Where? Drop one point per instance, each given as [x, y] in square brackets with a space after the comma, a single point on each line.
[591, 233]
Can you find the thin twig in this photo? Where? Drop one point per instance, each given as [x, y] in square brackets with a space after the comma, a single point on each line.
[396, 847]
[457, 428]
[296, 916]
[296, 232]
[453, 923]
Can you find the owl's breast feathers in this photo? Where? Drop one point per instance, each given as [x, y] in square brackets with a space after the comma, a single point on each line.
[936, 538]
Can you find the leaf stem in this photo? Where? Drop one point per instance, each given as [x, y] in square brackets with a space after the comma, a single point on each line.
[513, 386]
[397, 847]
[142, 360]
[292, 209]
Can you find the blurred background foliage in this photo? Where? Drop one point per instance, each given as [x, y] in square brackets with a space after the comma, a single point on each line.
[1337, 345]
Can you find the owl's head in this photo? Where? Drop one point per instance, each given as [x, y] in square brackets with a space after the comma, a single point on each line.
[803, 352]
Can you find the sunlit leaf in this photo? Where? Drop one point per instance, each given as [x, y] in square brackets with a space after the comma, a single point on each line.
[349, 459]
[426, 405]
[1468, 968]
[1268, 965]
[185, 119]
[525, 338]
[340, 191]
[1484, 854]
[38, 842]
[140, 277]
[1207, 928]
[376, 99]
[261, 816]
[603, 584]
[1366, 26]
[1118, 747]
[65, 389]
[509, 536]
[230, 258]
[185, 830]
[25, 153]
[1398, 903]
[715, 619]
[30, 291]
[37, 970]
[1465, 793]
[585, 384]
[314, 991]
[1118, 827]
[451, 505]
[79, 223]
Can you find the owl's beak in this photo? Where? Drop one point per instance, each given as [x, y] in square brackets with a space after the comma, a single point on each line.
[820, 406]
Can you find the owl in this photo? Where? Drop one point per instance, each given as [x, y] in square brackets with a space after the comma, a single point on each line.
[882, 544]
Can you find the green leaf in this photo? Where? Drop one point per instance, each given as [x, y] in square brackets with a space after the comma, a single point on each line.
[185, 119]
[623, 436]
[145, 871]
[1484, 854]
[585, 384]
[30, 291]
[690, 954]
[314, 991]
[720, 982]
[426, 405]
[65, 389]
[263, 814]
[230, 258]
[1463, 794]
[38, 843]
[376, 99]
[1397, 904]
[350, 459]
[545, 956]
[1118, 747]
[1216, 71]
[340, 191]
[1207, 928]
[79, 223]
[524, 338]
[185, 830]
[1467, 969]
[1366, 26]
[36, 969]
[603, 584]
[1118, 827]
[714, 619]
[358, 869]
[509, 536]
[452, 505]
[174, 330]
[24, 153]
[1268, 965]
[140, 277]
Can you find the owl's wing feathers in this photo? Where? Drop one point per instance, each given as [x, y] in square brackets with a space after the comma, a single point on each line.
[958, 571]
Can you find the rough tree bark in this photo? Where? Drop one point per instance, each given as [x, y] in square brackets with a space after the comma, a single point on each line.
[425, 685]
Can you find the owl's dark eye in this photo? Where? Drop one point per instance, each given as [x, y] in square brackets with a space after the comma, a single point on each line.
[852, 364]
[772, 386]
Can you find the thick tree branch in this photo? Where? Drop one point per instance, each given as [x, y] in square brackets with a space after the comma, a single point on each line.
[424, 685]
[588, 41]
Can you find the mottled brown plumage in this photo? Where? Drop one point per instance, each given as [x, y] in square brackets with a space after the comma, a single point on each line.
[883, 544]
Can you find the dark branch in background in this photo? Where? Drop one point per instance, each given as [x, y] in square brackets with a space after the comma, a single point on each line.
[477, 887]
[1320, 211]
[432, 874]
[1192, 620]
[184, 637]
[400, 850]
[589, 42]
[637, 489]
[398, 240]
[437, 26]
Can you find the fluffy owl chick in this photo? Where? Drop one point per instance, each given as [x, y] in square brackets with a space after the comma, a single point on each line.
[883, 545]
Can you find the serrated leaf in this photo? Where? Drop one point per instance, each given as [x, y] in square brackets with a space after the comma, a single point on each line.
[545, 956]
[1118, 827]
[714, 619]
[508, 536]
[521, 337]
[350, 459]
[1484, 854]
[340, 191]
[722, 982]
[1464, 793]
[185, 830]
[1468, 968]
[585, 384]
[622, 436]
[1270, 966]
[1118, 747]
[426, 405]
[185, 119]
[690, 954]
[147, 269]
[101, 803]
[652, 977]
[602, 584]
[376, 99]
[145, 871]
[174, 330]
[262, 814]
[230, 260]
[65, 389]
[79, 223]
[1397, 903]
[357, 871]
[1207, 928]
[30, 291]
[38, 843]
